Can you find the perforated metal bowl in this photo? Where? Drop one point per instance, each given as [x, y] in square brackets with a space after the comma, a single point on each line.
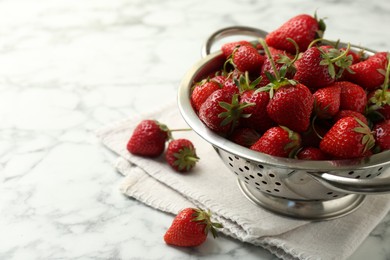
[313, 190]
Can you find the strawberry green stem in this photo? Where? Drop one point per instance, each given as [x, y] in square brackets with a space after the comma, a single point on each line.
[333, 43]
[296, 49]
[387, 75]
[180, 129]
[268, 53]
[342, 55]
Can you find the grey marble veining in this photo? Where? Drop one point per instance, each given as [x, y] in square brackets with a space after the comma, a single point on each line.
[69, 67]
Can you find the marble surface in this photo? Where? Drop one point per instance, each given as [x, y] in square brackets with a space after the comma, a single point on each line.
[70, 67]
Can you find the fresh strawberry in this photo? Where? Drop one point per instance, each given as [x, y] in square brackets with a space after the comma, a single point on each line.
[311, 153]
[303, 29]
[348, 138]
[244, 136]
[190, 228]
[369, 73]
[327, 101]
[352, 97]
[247, 58]
[228, 48]
[345, 113]
[281, 58]
[148, 139]
[312, 137]
[317, 69]
[291, 106]
[355, 56]
[382, 135]
[201, 91]
[379, 105]
[181, 155]
[278, 141]
[221, 111]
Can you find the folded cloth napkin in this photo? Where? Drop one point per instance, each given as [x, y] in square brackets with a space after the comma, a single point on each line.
[211, 185]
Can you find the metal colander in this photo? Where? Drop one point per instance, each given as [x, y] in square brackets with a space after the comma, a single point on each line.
[297, 188]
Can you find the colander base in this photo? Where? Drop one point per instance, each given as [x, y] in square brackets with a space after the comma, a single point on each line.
[303, 209]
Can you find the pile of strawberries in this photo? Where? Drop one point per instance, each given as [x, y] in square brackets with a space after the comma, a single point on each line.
[295, 94]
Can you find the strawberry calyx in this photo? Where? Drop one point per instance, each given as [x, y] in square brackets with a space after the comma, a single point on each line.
[186, 158]
[321, 26]
[234, 111]
[244, 83]
[204, 217]
[294, 145]
[336, 57]
[368, 139]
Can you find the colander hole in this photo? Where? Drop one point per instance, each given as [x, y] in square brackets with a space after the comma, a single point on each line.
[251, 176]
[231, 165]
[268, 191]
[368, 175]
[379, 173]
[246, 182]
[271, 175]
[236, 173]
[259, 174]
[276, 190]
[237, 158]
[248, 161]
[329, 193]
[246, 178]
[278, 183]
[261, 166]
[241, 170]
[258, 188]
[351, 172]
[357, 177]
[380, 169]
[264, 182]
[230, 158]
[258, 184]
[335, 196]
[246, 168]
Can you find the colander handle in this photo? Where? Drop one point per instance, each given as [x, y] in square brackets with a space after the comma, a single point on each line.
[230, 31]
[359, 186]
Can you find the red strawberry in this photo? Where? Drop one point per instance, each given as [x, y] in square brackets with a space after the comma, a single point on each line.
[327, 101]
[281, 58]
[311, 153]
[221, 111]
[345, 113]
[278, 141]
[317, 69]
[348, 138]
[244, 136]
[228, 48]
[312, 137]
[382, 135]
[258, 119]
[247, 58]
[303, 29]
[369, 73]
[201, 91]
[379, 104]
[181, 155]
[352, 97]
[190, 228]
[148, 139]
[291, 106]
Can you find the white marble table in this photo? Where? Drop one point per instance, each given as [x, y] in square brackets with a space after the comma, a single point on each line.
[70, 67]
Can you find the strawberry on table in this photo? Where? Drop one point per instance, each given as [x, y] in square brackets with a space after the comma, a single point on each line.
[181, 155]
[278, 141]
[348, 138]
[148, 139]
[303, 29]
[190, 228]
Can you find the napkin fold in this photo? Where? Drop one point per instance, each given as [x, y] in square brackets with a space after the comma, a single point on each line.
[211, 185]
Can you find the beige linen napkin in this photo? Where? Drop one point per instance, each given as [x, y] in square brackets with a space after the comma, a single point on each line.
[212, 186]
